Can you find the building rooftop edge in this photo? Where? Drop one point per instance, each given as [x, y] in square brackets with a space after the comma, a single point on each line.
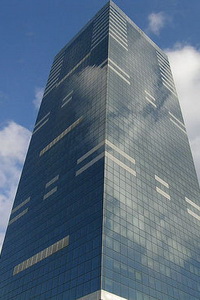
[110, 2]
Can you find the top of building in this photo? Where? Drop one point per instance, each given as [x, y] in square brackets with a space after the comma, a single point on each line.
[112, 4]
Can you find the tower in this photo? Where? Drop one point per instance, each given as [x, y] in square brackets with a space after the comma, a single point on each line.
[108, 205]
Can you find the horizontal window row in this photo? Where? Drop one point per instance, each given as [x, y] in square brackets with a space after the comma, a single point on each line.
[41, 125]
[161, 181]
[96, 44]
[52, 81]
[20, 205]
[54, 72]
[195, 206]
[100, 24]
[111, 145]
[73, 69]
[122, 40]
[99, 29]
[118, 68]
[52, 181]
[67, 99]
[177, 125]
[159, 55]
[41, 255]
[102, 14]
[168, 84]
[193, 214]
[119, 34]
[172, 91]
[176, 119]
[118, 41]
[118, 16]
[42, 119]
[60, 136]
[163, 193]
[18, 216]
[120, 30]
[118, 73]
[51, 192]
[98, 38]
[150, 98]
[167, 77]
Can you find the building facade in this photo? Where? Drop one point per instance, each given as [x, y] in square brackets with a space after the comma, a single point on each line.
[108, 204]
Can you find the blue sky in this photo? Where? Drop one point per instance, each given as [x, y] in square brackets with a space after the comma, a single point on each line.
[33, 31]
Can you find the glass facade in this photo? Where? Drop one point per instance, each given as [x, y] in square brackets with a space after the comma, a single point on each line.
[108, 205]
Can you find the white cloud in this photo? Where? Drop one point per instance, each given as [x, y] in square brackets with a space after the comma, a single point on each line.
[38, 97]
[14, 142]
[185, 63]
[156, 22]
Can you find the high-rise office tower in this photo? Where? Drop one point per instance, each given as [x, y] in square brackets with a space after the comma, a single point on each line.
[108, 205]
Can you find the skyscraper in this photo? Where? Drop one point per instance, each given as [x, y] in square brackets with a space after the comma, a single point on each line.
[108, 205]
